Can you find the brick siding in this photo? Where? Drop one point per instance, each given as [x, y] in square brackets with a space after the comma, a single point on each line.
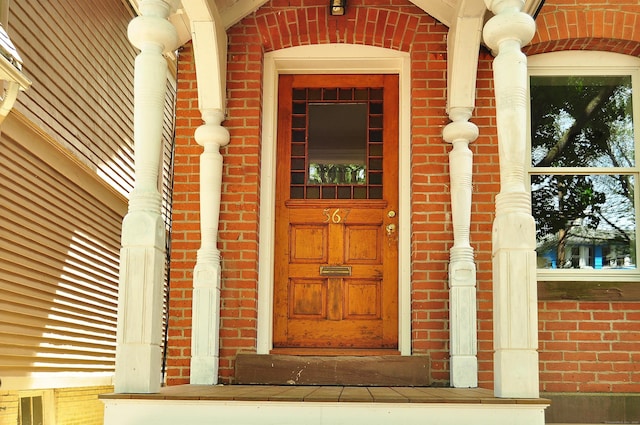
[589, 346]
[80, 406]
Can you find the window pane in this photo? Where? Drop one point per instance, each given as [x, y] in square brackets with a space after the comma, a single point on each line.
[297, 192]
[25, 411]
[584, 221]
[37, 411]
[313, 192]
[581, 121]
[337, 143]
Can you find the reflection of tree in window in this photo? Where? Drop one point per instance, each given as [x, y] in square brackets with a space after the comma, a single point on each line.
[337, 173]
[583, 154]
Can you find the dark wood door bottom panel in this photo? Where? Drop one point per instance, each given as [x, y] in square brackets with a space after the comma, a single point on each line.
[276, 369]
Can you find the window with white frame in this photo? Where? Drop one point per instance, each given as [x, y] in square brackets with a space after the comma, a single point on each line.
[582, 162]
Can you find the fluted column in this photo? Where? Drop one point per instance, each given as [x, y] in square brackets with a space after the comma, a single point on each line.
[462, 269]
[515, 313]
[206, 275]
[142, 257]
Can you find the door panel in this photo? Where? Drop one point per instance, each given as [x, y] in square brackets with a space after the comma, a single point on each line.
[309, 243]
[363, 244]
[335, 282]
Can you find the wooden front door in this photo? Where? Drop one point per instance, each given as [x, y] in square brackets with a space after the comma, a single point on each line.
[336, 245]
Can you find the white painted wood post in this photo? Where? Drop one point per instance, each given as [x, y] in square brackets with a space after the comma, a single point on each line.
[142, 256]
[462, 269]
[515, 314]
[206, 275]
[463, 46]
[210, 53]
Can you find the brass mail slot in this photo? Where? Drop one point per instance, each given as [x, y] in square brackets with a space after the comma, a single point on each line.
[335, 270]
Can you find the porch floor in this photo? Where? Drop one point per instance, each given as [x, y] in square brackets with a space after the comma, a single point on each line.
[340, 394]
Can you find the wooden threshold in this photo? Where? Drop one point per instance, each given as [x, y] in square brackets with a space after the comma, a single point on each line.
[354, 371]
[338, 394]
[362, 352]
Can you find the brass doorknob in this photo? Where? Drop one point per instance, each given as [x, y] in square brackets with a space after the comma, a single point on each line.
[391, 228]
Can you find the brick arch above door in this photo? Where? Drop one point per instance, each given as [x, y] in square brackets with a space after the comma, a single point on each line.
[601, 29]
[396, 27]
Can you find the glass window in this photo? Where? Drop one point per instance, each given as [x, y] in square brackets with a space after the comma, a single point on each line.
[31, 412]
[337, 143]
[582, 166]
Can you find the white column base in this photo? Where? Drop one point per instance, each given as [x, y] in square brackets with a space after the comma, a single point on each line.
[462, 296]
[516, 374]
[515, 307]
[138, 368]
[206, 321]
[464, 371]
[204, 370]
[138, 353]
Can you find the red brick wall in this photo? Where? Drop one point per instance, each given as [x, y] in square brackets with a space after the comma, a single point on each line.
[406, 28]
[185, 238]
[431, 236]
[589, 346]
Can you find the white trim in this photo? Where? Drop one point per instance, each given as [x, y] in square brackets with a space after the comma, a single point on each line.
[590, 63]
[332, 59]
[46, 380]
[201, 412]
[583, 59]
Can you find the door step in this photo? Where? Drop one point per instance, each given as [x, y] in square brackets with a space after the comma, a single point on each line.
[387, 371]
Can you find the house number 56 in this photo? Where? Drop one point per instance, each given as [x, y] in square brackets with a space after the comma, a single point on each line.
[334, 217]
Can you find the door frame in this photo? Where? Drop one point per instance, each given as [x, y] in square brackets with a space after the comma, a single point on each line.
[332, 59]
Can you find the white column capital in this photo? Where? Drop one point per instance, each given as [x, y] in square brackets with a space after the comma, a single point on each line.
[212, 132]
[152, 28]
[462, 130]
[499, 6]
[460, 113]
[512, 24]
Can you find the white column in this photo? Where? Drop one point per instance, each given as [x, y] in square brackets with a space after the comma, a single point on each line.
[206, 275]
[210, 53]
[462, 269]
[515, 313]
[142, 257]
